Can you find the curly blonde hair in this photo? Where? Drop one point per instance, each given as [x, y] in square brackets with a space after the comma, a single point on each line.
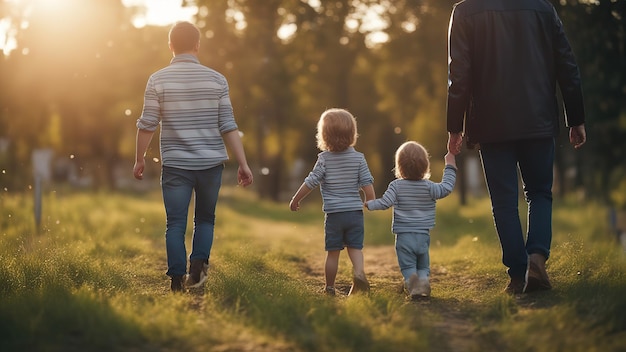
[336, 130]
[412, 162]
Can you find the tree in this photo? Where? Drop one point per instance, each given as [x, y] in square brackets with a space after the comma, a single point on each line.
[75, 81]
[280, 86]
[74, 76]
[597, 32]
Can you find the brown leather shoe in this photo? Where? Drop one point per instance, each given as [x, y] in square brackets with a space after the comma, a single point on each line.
[537, 277]
[197, 273]
[177, 284]
[515, 287]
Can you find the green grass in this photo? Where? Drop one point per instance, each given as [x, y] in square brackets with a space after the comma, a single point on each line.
[92, 278]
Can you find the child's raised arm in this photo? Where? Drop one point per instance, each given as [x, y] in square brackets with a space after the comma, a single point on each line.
[450, 159]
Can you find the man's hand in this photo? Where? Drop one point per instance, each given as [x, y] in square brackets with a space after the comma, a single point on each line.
[577, 136]
[455, 141]
[244, 176]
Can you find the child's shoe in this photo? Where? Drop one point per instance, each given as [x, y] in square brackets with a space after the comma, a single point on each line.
[411, 285]
[419, 287]
[359, 284]
[329, 290]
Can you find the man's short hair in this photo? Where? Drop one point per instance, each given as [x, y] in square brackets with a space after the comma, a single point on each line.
[183, 37]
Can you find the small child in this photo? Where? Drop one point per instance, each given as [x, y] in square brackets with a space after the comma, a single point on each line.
[341, 172]
[413, 196]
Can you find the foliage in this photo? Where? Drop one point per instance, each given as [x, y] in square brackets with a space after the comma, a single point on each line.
[596, 27]
[75, 82]
[73, 85]
[92, 277]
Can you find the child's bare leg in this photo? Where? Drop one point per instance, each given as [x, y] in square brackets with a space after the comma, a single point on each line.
[359, 281]
[331, 267]
[356, 257]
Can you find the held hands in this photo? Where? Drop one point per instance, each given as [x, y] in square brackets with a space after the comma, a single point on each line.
[455, 141]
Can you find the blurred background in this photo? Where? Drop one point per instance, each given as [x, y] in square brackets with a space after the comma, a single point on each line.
[73, 72]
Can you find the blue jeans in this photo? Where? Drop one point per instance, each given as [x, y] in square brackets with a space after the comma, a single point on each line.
[534, 158]
[177, 186]
[413, 256]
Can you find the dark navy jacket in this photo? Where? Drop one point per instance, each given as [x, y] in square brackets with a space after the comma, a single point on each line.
[505, 60]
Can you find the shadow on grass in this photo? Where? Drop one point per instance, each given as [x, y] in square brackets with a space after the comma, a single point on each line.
[599, 303]
[56, 319]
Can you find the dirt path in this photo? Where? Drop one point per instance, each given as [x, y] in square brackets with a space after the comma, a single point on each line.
[452, 329]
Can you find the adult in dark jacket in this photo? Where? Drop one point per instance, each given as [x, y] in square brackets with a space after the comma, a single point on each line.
[506, 58]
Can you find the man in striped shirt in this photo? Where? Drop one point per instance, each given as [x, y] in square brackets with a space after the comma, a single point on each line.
[191, 102]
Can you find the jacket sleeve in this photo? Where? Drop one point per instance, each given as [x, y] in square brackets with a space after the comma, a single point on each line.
[568, 77]
[459, 72]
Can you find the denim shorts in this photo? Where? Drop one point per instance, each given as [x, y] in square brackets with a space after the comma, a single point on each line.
[344, 229]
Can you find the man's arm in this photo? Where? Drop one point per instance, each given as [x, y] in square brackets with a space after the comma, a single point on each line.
[459, 72]
[568, 77]
[233, 143]
[141, 146]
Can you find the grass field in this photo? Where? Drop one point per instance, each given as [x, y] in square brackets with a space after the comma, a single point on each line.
[92, 279]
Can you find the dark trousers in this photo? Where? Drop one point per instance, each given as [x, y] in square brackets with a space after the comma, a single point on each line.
[534, 159]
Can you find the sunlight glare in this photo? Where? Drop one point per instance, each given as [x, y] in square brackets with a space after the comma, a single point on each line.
[286, 31]
[7, 41]
[375, 38]
[316, 4]
[54, 8]
[160, 12]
